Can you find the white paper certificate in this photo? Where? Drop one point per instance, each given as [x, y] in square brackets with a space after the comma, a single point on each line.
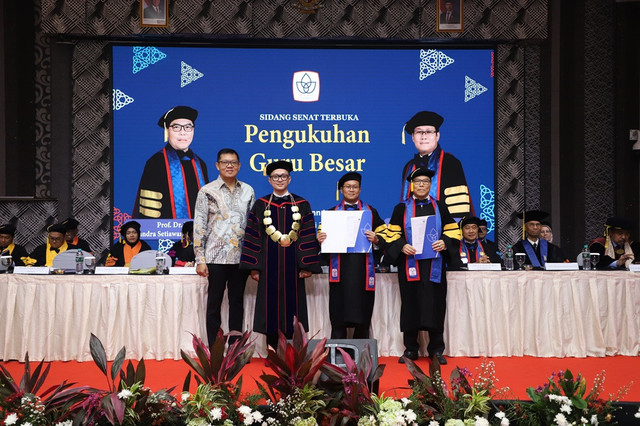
[345, 231]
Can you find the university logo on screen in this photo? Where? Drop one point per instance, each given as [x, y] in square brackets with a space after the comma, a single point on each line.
[306, 86]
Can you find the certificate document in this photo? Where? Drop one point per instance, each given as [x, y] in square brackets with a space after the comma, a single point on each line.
[423, 234]
[346, 231]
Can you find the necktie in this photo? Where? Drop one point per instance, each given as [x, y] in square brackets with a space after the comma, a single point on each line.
[54, 249]
[448, 17]
[350, 207]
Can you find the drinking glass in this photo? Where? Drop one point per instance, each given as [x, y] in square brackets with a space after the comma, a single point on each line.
[520, 257]
[159, 263]
[595, 259]
[5, 261]
[90, 264]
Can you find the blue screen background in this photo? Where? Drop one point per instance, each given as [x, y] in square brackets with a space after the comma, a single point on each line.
[233, 88]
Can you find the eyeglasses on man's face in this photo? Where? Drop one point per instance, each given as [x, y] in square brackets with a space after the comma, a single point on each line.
[351, 187]
[421, 182]
[427, 133]
[179, 127]
[227, 163]
[279, 178]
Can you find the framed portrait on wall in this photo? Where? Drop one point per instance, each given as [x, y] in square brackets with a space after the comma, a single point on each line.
[450, 15]
[154, 13]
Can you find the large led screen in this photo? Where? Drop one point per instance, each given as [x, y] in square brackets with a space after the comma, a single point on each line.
[328, 110]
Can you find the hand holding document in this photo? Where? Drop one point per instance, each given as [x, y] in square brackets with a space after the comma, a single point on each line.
[345, 231]
[423, 234]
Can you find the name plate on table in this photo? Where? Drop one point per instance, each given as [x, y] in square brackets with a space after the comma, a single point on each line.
[557, 266]
[484, 267]
[186, 270]
[32, 270]
[112, 270]
[634, 267]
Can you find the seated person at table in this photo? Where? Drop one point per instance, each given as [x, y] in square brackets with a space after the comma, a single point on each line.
[546, 232]
[616, 248]
[482, 236]
[122, 253]
[182, 251]
[470, 249]
[9, 248]
[71, 234]
[537, 250]
[43, 254]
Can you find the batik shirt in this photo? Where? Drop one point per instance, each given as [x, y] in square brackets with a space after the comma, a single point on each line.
[219, 221]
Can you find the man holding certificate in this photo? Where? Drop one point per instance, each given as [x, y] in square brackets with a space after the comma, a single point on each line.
[416, 238]
[348, 232]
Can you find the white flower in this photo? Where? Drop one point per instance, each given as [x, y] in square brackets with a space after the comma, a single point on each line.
[244, 410]
[583, 420]
[11, 419]
[637, 415]
[561, 420]
[410, 415]
[27, 424]
[184, 396]
[434, 423]
[65, 423]
[594, 420]
[257, 416]
[126, 393]
[216, 413]
[504, 421]
[566, 408]
[405, 401]
[481, 421]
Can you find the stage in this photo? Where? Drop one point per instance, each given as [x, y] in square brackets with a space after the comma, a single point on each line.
[516, 373]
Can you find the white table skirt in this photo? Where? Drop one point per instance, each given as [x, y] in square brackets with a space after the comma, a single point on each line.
[543, 314]
[488, 314]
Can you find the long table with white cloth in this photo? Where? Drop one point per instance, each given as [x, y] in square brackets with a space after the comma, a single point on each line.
[489, 313]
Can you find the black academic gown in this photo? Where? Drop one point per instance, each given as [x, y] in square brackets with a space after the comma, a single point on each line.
[117, 251]
[17, 252]
[155, 199]
[449, 183]
[351, 300]
[80, 243]
[597, 246]
[424, 301]
[456, 255]
[281, 293]
[554, 254]
[40, 253]
[180, 253]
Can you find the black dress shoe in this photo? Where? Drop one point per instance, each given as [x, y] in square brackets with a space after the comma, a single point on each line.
[412, 355]
[441, 359]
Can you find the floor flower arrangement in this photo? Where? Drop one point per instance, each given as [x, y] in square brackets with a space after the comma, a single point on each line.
[300, 389]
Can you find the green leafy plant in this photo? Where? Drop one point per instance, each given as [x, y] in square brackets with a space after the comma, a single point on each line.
[127, 401]
[466, 398]
[217, 399]
[564, 400]
[350, 387]
[292, 364]
[25, 400]
[214, 366]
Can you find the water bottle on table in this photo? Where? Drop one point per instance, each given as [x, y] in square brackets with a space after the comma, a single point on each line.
[508, 259]
[586, 258]
[79, 262]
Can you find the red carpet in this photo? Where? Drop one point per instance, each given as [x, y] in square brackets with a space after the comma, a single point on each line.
[517, 373]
